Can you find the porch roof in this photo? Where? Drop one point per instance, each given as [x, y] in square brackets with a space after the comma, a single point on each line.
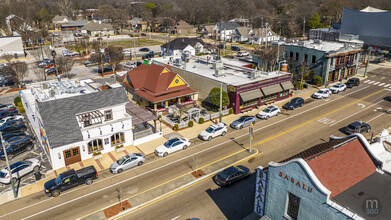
[155, 99]
[139, 115]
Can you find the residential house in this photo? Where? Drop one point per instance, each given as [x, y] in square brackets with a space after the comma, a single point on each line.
[60, 19]
[156, 87]
[244, 22]
[182, 27]
[264, 36]
[322, 182]
[242, 34]
[73, 25]
[185, 45]
[134, 23]
[17, 24]
[87, 14]
[12, 46]
[225, 30]
[75, 119]
[207, 31]
[96, 29]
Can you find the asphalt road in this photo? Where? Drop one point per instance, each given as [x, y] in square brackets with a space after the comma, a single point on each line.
[277, 138]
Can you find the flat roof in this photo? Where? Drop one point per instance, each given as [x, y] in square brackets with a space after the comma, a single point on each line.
[321, 45]
[234, 73]
[374, 187]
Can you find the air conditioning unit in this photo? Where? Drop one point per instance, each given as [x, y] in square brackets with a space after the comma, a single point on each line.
[218, 65]
[219, 72]
[52, 93]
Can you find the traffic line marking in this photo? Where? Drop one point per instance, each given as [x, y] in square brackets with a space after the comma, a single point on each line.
[381, 84]
[376, 83]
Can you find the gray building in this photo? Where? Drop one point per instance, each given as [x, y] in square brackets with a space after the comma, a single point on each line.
[372, 25]
[11, 46]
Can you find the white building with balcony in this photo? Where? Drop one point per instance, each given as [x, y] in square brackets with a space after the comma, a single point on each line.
[74, 120]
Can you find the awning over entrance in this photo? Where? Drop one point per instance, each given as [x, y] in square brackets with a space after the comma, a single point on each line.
[287, 85]
[139, 115]
[272, 89]
[250, 95]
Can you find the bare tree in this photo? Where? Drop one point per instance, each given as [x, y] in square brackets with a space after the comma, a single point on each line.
[36, 54]
[39, 72]
[303, 70]
[268, 56]
[19, 72]
[8, 57]
[65, 64]
[115, 56]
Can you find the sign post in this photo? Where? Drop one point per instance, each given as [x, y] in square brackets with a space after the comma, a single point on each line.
[251, 134]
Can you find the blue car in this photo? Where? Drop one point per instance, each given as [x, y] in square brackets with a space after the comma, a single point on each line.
[235, 48]
[17, 147]
[16, 128]
[8, 113]
[294, 103]
[11, 135]
[11, 123]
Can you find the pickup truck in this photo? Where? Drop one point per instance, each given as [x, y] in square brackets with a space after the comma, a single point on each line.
[70, 179]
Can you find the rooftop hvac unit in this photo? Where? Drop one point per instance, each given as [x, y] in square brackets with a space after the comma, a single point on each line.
[219, 72]
[301, 43]
[218, 65]
[52, 93]
[216, 57]
[45, 86]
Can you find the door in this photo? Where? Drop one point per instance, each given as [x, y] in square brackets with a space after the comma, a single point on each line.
[133, 162]
[23, 170]
[72, 155]
[68, 183]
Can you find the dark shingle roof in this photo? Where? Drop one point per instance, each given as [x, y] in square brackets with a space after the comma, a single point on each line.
[182, 43]
[227, 25]
[59, 116]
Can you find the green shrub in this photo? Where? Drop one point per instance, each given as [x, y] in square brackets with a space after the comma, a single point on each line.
[201, 54]
[21, 108]
[17, 100]
[176, 127]
[190, 124]
[231, 111]
[317, 80]
[96, 153]
[298, 85]
[201, 121]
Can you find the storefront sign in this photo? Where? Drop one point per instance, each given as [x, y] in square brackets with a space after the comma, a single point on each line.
[260, 189]
[296, 182]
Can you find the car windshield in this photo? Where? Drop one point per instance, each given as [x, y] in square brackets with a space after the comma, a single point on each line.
[209, 129]
[241, 119]
[267, 110]
[170, 142]
[336, 86]
[2, 121]
[120, 160]
[58, 179]
[2, 175]
[352, 127]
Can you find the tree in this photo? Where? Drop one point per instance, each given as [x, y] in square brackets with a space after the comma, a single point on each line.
[65, 64]
[19, 72]
[39, 72]
[81, 45]
[214, 97]
[269, 57]
[314, 22]
[115, 56]
[317, 80]
[98, 56]
[303, 70]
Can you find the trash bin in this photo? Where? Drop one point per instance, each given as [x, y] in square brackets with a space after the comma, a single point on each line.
[37, 175]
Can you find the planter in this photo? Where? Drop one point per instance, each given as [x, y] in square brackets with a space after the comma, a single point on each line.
[119, 149]
[97, 156]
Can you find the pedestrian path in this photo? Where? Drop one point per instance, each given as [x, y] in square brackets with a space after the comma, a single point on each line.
[376, 83]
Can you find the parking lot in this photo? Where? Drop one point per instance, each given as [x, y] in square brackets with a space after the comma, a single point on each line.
[37, 152]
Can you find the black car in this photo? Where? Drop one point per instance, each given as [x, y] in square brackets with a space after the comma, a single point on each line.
[352, 82]
[10, 112]
[235, 48]
[90, 63]
[221, 46]
[358, 127]
[17, 147]
[294, 103]
[12, 129]
[7, 82]
[144, 49]
[106, 69]
[387, 98]
[149, 55]
[231, 175]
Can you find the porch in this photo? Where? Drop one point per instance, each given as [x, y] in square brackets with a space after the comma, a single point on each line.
[163, 107]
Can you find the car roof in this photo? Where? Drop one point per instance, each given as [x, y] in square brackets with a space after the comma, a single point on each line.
[231, 170]
[247, 116]
[272, 106]
[356, 123]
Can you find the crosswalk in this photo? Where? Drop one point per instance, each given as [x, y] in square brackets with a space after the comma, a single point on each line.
[371, 82]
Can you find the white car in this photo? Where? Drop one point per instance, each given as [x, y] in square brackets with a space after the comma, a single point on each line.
[340, 87]
[322, 93]
[65, 52]
[243, 53]
[213, 131]
[19, 169]
[11, 118]
[269, 112]
[171, 146]
[126, 52]
[130, 65]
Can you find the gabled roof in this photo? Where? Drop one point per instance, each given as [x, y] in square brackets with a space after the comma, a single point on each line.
[59, 18]
[244, 31]
[181, 24]
[59, 115]
[264, 31]
[226, 25]
[97, 27]
[182, 43]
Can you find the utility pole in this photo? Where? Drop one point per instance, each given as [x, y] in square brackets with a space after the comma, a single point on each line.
[304, 27]
[367, 62]
[134, 47]
[8, 164]
[250, 131]
[221, 100]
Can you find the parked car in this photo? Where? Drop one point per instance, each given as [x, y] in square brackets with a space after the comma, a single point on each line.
[294, 103]
[126, 162]
[7, 82]
[17, 147]
[127, 52]
[11, 118]
[8, 136]
[357, 127]
[4, 107]
[10, 112]
[322, 93]
[13, 128]
[92, 51]
[18, 170]
[243, 53]
[149, 55]
[231, 175]
[171, 146]
[243, 121]
[16, 138]
[352, 82]
[130, 65]
[387, 98]
[143, 34]
[69, 179]
[11, 123]
[65, 52]
[235, 48]
[269, 112]
[338, 88]
[144, 49]
[106, 69]
[213, 131]
[221, 46]
[90, 63]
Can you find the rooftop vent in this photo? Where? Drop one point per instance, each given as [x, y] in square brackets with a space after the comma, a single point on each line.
[52, 93]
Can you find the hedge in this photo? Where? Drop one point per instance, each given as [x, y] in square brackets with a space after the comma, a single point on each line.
[231, 111]
[190, 124]
[21, 108]
[201, 121]
[17, 100]
[176, 127]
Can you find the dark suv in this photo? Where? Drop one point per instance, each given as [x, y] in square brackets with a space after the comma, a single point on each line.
[352, 82]
[17, 147]
[294, 103]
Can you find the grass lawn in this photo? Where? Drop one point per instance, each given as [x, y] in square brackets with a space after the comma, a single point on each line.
[124, 44]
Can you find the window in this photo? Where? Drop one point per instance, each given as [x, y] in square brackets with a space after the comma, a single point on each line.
[248, 103]
[87, 123]
[291, 55]
[117, 138]
[108, 115]
[313, 59]
[305, 58]
[284, 93]
[75, 151]
[292, 210]
[95, 145]
[269, 97]
[297, 56]
[68, 154]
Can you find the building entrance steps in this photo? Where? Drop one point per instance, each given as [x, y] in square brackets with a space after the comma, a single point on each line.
[160, 191]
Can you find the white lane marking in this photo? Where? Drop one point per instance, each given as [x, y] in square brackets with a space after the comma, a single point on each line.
[367, 81]
[355, 113]
[360, 104]
[372, 82]
[377, 109]
[387, 85]
[326, 121]
[79, 188]
[381, 84]
[375, 118]
[376, 83]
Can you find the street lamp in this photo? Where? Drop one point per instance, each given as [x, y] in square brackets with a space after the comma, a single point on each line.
[5, 146]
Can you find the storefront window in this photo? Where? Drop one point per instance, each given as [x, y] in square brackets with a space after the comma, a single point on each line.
[293, 206]
[117, 138]
[284, 93]
[269, 97]
[95, 145]
[248, 103]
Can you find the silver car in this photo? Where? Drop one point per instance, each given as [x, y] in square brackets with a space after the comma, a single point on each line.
[126, 162]
[243, 121]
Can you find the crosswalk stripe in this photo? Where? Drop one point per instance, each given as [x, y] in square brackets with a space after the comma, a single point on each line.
[386, 85]
[376, 83]
[367, 81]
[371, 82]
[381, 84]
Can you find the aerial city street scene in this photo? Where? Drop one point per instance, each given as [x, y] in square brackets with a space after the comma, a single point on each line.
[195, 110]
